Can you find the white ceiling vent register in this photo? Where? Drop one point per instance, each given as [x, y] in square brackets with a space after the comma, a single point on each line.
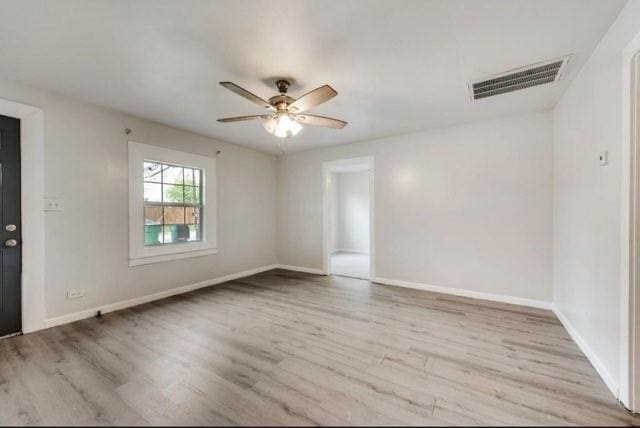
[519, 78]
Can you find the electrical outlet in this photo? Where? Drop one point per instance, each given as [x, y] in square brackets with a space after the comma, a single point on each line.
[53, 204]
[75, 294]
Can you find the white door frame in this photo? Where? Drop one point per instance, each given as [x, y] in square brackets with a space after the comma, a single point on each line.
[629, 385]
[337, 165]
[32, 208]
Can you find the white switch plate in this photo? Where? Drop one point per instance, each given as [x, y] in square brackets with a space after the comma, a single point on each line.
[53, 204]
[604, 158]
[74, 294]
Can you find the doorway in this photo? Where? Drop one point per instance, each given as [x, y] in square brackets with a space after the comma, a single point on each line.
[10, 238]
[348, 218]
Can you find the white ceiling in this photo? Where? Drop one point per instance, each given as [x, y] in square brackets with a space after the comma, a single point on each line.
[398, 66]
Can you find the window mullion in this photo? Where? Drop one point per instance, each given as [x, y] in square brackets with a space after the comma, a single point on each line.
[162, 200]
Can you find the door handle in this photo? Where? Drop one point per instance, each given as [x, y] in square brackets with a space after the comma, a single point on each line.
[10, 243]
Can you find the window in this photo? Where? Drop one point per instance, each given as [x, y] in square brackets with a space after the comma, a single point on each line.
[171, 204]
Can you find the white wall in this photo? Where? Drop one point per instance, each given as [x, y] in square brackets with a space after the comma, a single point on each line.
[587, 198]
[466, 207]
[352, 216]
[87, 244]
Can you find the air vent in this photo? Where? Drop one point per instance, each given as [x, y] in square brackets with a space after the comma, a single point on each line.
[520, 78]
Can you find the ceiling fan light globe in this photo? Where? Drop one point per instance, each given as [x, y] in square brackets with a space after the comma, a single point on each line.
[270, 126]
[282, 126]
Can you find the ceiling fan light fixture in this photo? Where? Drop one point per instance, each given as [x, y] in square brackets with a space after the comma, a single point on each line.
[284, 120]
[282, 126]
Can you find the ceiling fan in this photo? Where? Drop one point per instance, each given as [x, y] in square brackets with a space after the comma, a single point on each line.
[285, 117]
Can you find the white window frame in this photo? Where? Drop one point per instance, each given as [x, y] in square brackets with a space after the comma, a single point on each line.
[138, 253]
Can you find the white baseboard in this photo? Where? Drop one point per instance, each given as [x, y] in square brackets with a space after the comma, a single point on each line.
[466, 293]
[345, 250]
[591, 355]
[88, 313]
[577, 338]
[301, 269]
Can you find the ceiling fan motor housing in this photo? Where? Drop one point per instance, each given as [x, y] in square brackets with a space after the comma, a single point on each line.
[281, 102]
[283, 86]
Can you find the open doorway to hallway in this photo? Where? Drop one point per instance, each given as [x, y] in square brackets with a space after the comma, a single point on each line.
[348, 218]
[350, 224]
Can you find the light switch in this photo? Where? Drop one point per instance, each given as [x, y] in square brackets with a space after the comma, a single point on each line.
[604, 158]
[53, 204]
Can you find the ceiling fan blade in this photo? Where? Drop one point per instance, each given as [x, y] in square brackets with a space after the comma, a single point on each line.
[247, 95]
[242, 118]
[313, 98]
[327, 122]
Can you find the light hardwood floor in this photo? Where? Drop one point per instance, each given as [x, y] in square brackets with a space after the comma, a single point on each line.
[291, 348]
[347, 263]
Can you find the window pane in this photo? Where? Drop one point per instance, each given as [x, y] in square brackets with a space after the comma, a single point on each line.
[188, 177]
[175, 233]
[173, 193]
[153, 192]
[152, 215]
[172, 174]
[173, 215]
[152, 172]
[192, 215]
[167, 234]
[194, 232]
[191, 195]
[152, 235]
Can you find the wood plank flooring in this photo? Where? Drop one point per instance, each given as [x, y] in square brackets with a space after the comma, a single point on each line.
[287, 348]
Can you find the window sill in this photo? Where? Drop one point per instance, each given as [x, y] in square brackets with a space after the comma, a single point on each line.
[169, 257]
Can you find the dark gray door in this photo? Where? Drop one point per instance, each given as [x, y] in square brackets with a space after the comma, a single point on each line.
[10, 244]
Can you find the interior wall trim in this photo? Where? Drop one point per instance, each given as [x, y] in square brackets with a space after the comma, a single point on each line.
[301, 269]
[111, 307]
[540, 304]
[597, 364]
[346, 250]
